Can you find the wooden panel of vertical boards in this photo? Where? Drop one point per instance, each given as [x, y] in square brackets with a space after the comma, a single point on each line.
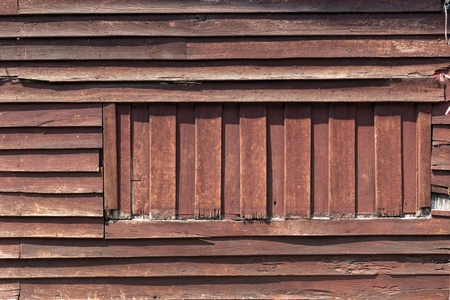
[258, 161]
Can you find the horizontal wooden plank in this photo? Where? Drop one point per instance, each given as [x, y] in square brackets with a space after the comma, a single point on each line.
[440, 189]
[9, 290]
[50, 138]
[226, 266]
[51, 183]
[93, 49]
[235, 246]
[17, 204]
[440, 178]
[440, 212]
[9, 248]
[9, 7]
[438, 113]
[222, 25]
[51, 227]
[441, 133]
[50, 160]
[289, 287]
[336, 227]
[397, 90]
[50, 115]
[440, 158]
[303, 47]
[311, 69]
[228, 6]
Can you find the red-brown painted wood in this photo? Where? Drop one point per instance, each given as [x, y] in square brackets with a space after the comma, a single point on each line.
[124, 157]
[110, 168]
[9, 7]
[409, 158]
[9, 248]
[424, 155]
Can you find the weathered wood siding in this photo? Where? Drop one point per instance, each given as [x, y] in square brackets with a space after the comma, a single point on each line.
[295, 136]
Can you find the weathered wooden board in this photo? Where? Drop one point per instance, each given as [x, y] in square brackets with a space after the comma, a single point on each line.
[336, 227]
[222, 25]
[286, 69]
[409, 158]
[51, 227]
[440, 157]
[438, 112]
[50, 115]
[9, 248]
[87, 160]
[440, 178]
[110, 164]
[226, 266]
[9, 7]
[441, 133]
[440, 212]
[50, 138]
[51, 183]
[297, 287]
[27, 205]
[229, 6]
[395, 90]
[9, 290]
[424, 139]
[124, 157]
[252, 246]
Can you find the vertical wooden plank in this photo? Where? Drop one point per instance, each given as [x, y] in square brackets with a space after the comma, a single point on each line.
[409, 163]
[208, 160]
[297, 156]
[320, 160]
[231, 164]
[275, 160]
[365, 159]
[253, 121]
[141, 158]
[342, 184]
[110, 182]
[162, 161]
[185, 160]
[124, 154]
[388, 159]
[424, 155]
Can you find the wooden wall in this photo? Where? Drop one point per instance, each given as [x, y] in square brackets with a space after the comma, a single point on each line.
[215, 110]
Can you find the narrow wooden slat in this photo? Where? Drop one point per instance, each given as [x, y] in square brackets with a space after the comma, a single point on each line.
[93, 49]
[388, 159]
[124, 158]
[440, 178]
[9, 248]
[208, 160]
[50, 138]
[440, 132]
[440, 212]
[365, 159]
[395, 90]
[51, 227]
[9, 7]
[87, 160]
[227, 266]
[239, 6]
[440, 157]
[9, 290]
[231, 193]
[300, 47]
[440, 190]
[162, 161]
[320, 159]
[140, 177]
[50, 115]
[222, 25]
[110, 167]
[424, 155]
[253, 161]
[409, 158]
[185, 160]
[29, 205]
[275, 160]
[51, 183]
[342, 166]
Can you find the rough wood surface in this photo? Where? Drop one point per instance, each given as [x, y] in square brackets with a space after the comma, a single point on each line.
[9, 290]
[110, 164]
[336, 227]
[9, 7]
[124, 157]
[440, 178]
[440, 212]
[424, 155]
[440, 157]
[87, 160]
[438, 114]
[9, 248]
[51, 227]
[409, 158]
[29, 205]
[228, 6]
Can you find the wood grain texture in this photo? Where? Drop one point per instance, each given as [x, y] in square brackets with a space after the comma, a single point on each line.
[9, 290]
[342, 166]
[51, 183]
[365, 159]
[9, 7]
[440, 157]
[50, 115]
[440, 212]
[110, 164]
[440, 178]
[253, 161]
[87, 160]
[51, 227]
[409, 158]
[185, 160]
[239, 6]
[388, 159]
[231, 169]
[162, 161]
[334, 227]
[424, 155]
[9, 248]
[297, 155]
[50, 138]
[441, 133]
[208, 160]
[124, 158]
[438, 114]
[33, 205]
